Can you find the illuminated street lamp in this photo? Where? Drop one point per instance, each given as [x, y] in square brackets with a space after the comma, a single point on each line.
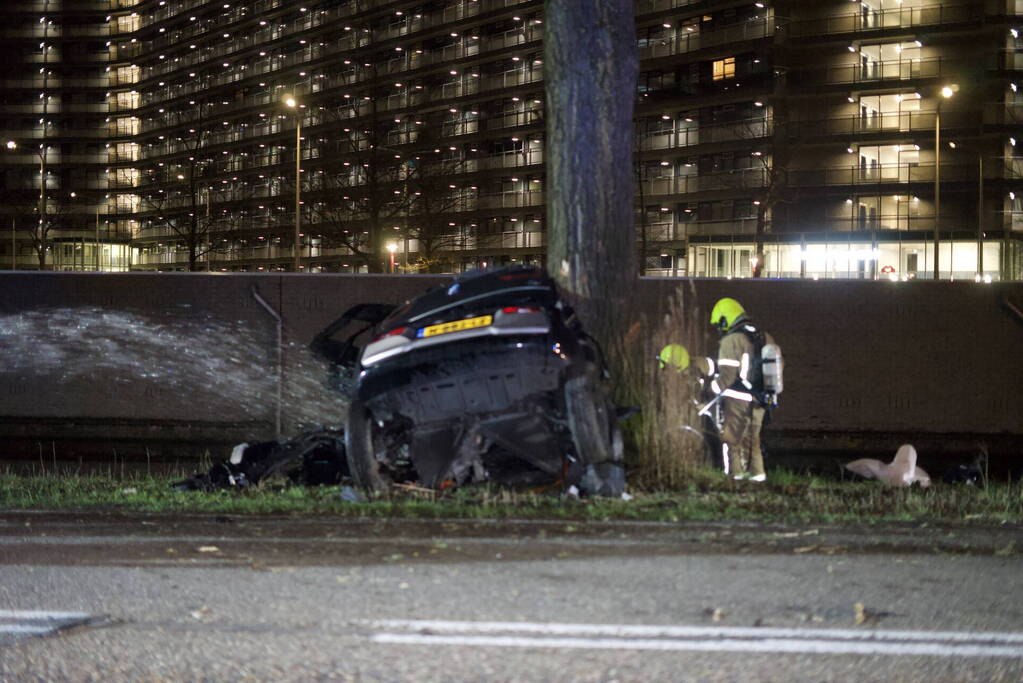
[11, 146]
[392, 247]
[946, 92]
[292, 103]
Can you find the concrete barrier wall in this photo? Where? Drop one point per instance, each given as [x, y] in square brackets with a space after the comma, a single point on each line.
[862, 358]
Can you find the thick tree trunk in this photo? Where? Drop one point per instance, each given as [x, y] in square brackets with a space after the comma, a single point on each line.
[590, 68]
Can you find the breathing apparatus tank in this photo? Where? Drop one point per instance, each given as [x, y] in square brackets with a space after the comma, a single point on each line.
[773, 367]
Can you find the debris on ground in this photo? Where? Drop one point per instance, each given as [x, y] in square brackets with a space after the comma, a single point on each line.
[312, 458]
[350, 495]
[972, 474]
[902, 471]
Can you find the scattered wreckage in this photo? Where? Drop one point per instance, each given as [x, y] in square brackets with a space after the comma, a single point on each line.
[902, 471]
[490, 378]
[313, 458]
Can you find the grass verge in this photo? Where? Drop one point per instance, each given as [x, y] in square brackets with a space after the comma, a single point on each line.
[707, 496]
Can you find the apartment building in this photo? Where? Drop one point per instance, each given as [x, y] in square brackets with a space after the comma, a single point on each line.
[55, 137]
[832, 139]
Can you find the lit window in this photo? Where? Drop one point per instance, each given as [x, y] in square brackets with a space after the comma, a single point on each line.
[724, 68]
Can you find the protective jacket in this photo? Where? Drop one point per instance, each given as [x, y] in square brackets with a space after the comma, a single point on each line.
[739, 364]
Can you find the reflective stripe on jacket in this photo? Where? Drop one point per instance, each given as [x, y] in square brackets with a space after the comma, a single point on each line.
[735, 361]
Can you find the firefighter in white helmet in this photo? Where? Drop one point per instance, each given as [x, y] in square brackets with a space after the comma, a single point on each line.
[740, 386]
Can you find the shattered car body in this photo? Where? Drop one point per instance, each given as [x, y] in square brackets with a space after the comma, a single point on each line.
[490, 378]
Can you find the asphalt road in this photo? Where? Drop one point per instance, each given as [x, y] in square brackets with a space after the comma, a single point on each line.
[231, 598]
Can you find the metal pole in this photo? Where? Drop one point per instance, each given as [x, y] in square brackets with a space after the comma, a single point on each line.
[97, 242]
[209, 226]
[280, 358]
[937, 183]
[298, 189]
[42, 202]
[980, 214]
[14, 244]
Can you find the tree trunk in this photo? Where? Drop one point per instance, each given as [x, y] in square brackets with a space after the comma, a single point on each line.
[590, 67]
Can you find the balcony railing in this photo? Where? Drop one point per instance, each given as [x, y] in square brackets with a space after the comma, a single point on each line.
[892, 70]
[749, 129]
[650, 6]
[739, 179]
[510, 200]
[508, 240]
[882, 174]
[894, 18]
[879, 122]
[676, 231]
[685, 41]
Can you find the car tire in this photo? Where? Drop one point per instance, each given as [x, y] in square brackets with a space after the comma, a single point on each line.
[360, 449]
[596, 436]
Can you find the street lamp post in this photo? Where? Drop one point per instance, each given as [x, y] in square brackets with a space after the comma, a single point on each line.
[980, 210]
[392, 247]
[946, 92]
[11, 145]
[291, 102]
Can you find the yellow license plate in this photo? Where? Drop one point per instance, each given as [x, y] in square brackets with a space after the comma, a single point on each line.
[456, 326]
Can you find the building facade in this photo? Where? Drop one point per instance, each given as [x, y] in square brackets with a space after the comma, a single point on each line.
[781, 138]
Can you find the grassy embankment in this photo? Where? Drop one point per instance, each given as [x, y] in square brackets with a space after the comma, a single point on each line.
[708, 496]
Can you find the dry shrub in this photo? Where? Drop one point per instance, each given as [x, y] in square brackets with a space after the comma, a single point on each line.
[661, 454]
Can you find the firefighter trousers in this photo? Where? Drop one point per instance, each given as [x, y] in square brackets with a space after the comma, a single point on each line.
[740, 437]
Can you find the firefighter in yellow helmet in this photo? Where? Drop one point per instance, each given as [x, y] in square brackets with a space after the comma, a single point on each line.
[740, 386]
[673, 356]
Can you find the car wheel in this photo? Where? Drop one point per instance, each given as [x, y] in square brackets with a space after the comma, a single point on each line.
[360, 449]
[595, 435]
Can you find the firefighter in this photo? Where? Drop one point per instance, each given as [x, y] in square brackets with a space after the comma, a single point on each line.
[740, 386]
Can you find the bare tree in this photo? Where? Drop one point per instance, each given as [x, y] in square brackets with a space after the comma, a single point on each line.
[773, 189]
[433, 195]
[184, 208]
[358, 191]
[47, 211]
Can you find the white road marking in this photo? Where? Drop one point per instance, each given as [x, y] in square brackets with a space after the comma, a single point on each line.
[700, 638]
[39, 614]
[20, 623]
[18, 628]
[620, 630]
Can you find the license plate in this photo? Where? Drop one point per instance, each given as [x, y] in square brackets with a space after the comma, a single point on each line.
[456, 326]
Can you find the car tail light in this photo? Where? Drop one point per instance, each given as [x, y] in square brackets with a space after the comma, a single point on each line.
[519, 309]
[393, 333]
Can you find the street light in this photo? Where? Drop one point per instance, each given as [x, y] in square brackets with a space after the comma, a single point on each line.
[292, 103]
[12, 145]
[946, 92]
[980, 211]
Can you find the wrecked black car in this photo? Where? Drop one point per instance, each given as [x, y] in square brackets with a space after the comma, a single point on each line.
[489, 378]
